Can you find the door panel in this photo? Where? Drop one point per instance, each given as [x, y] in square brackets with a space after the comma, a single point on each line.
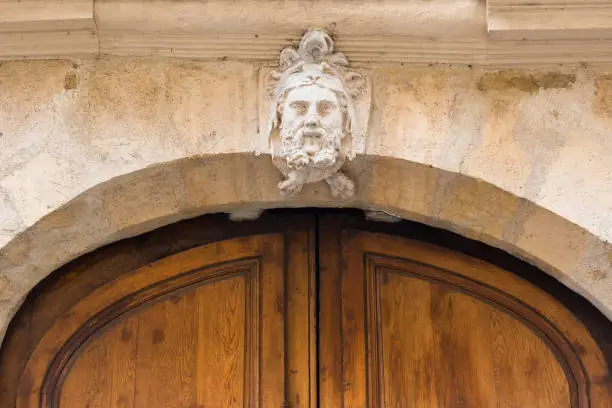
[165, 351]
[437, 347]
[202, 328]
[419, 326]
[171, 352]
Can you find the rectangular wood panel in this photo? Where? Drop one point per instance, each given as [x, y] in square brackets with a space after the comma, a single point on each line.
[125, 341]
[428, 340]
[221, 350]
[86, 387]
[439, 347]
[167, 355]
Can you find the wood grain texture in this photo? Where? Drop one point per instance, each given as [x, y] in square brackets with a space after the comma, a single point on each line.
[355, 369]
[427, 327]
[192, 324]
[554, 366]
[63, 289]
[272, 336]
[309, 346]
[300, 326]
[166, 351]
[123, 360]
[441, 348]
[223, 313]
[331, 350]
[185, 351]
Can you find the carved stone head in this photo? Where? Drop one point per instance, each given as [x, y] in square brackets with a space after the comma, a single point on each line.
[313, 116]
[311, 132]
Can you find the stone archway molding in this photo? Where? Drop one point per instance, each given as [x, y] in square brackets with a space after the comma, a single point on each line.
[143, 200]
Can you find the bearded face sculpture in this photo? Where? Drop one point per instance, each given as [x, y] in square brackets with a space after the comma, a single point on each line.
[311, 127]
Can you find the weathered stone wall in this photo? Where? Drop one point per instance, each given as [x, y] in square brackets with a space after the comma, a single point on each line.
[94, 151]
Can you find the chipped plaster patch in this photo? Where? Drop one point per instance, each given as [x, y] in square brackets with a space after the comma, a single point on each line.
[532, 83]
[602, 104]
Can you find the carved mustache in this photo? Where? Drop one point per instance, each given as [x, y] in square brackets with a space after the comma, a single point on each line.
[303, 130]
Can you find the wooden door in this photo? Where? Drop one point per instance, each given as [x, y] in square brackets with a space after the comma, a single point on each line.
[296, 311]
[214, 326]
[408, 324]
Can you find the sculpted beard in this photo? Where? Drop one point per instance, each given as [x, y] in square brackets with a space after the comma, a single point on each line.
[326, 144]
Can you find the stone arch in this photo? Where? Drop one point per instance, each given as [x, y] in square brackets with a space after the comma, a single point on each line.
[143, 200]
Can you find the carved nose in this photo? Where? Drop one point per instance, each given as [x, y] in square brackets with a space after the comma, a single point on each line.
[312, 122]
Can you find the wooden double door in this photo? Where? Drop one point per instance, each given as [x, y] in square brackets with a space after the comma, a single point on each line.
[295, 311]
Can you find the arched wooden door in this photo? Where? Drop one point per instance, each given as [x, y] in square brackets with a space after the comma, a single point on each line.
[300, 311]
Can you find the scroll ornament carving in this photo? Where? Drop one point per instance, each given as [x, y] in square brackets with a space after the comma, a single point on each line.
[318, 112]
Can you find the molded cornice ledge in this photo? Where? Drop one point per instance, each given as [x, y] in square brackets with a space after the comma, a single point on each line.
[373, 30]
[549, 19]
[47, 29]
[505, 32]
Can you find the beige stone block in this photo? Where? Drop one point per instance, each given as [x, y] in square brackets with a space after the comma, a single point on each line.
[17, 250]
[578, 183]
[400, 186]
[602, 103]
[15, 284]
[474, 207]
[411, 111]
[530, 113]
[30, 95]
[68, 232]
[10, 220]
[12, 296]
[147, 196]
[5, 262]
[550, 242]
[26, 84]
[230, 180]
[42, 185]
[429, 115]
[160, 110]
[9, 290]
[496, 155]
[592, 276]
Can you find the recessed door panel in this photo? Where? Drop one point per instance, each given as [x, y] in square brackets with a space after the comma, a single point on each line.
[439, 347]
[187, 350]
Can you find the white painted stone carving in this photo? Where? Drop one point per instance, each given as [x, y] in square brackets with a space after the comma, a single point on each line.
[317, 115]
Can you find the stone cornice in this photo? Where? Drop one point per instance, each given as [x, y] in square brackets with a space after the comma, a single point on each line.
[505, 32]
[549, 19]
[47, 29]
[58, 15]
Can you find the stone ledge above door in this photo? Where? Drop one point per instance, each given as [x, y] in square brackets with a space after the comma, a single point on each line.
[470, 32]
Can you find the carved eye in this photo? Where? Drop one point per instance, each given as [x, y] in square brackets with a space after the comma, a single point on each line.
[300, 107]
[325, 107]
